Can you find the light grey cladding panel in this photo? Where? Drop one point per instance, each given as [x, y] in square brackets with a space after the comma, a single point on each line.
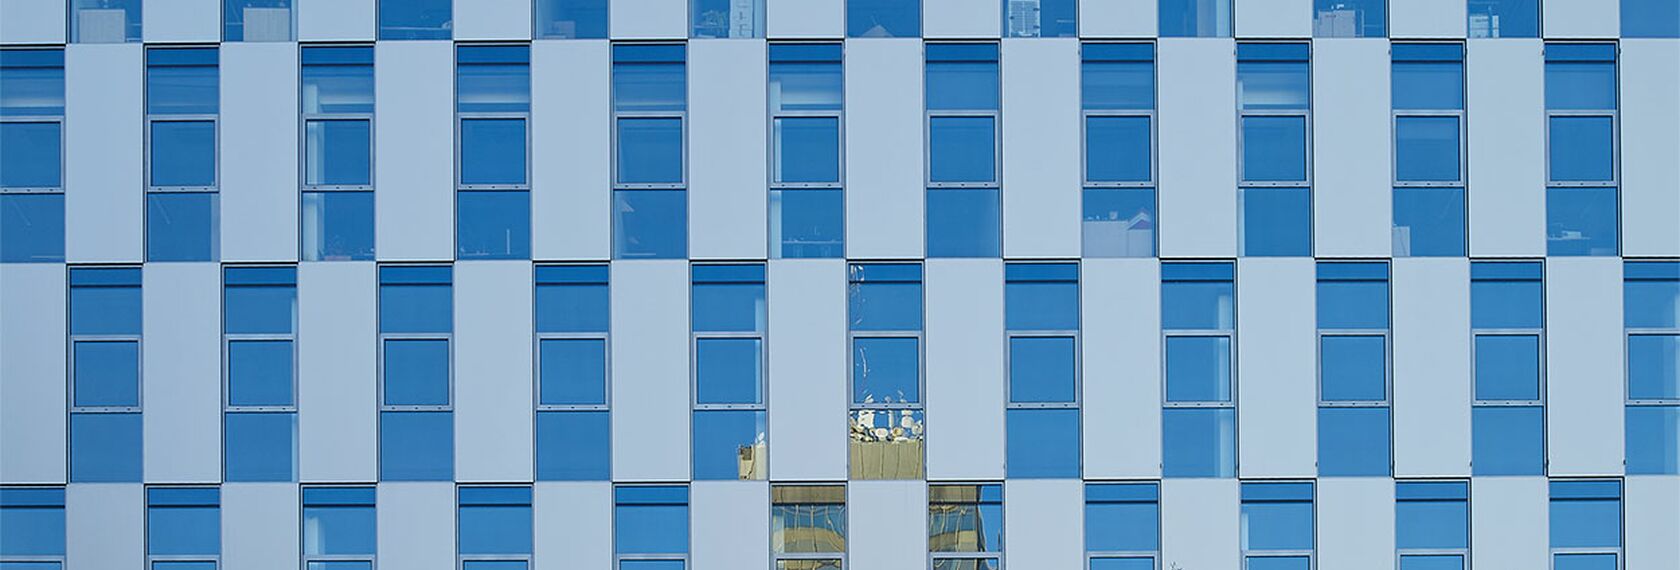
[32, 373]
[335, 20]
[104, 526]
[961, 18]
[1506, 131]
[338, 372]
[259, 143]
[650, 373]
[886, 523]
[182, 387]
[807, 299]
[965, 369]
[648, 19]
[1118, 18]
[416, 525]
[1432, 386]
[1120, 301]
[1427, 19]
[727, 199]
[1355, 529]
[1276, 375]
[571, 195]
[492, 19]
[414, 152]
[1652, 508]
[1198, 194]
[493, 410]
[731, 525]
[181, 20]
[1508, 522]
[260, 526]
[805, 18]
[1584, 364]
[32, 22]
[884, 186]
[1650, 77]
[1580, 19]
[1199, 523]
[104, 206]
[1041, 521]
[572, 525]
[1273, 18]
[1041, 148]
[1352, 191]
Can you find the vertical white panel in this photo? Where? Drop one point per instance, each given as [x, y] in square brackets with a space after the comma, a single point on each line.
[731, 525]
[416, 526]
[648, 19]
[1427, 19]
[572, 525]
[1506, 131]
[1041, 148]
[259, 145]
[805, 18]
[961, 18]
[1118, 18]
[1652, 507]
[181, 390]
[1276, 374]
[1580, 18]
[1120, 301]
[727, 199]
[1508, 522]
[1650, 141]
[1584, 396]
[1198, 155]
[1352, 184]
[886, 524]
[32, 373]
[414, 151]
[338, 372]
[260, 526]
[1199, 523]
[570, 114]
[492, 19]
[32, 22]
[650, 379]
[335, 20]
[104, 207]
[807, 299]
[1432, 386]
[493, 409]
[1355, 529]
[181, 20]
[884, 185]
[1273, 18]
[104, 526]
[965, 369]
[1041, 521]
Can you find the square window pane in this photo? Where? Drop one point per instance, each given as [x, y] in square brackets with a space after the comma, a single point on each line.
[650, 224]
[1428, 222]
[105, 309]
[1273, 83]
[650, 150]
[1426, 149]
[730, 445]
[885, 306]
[1653, 440]
[572, 19]
[1577, 523]
[962, 149]
[1194, 18]
[417, 372]
[1353, 368]
[1651, 303]
[162, 565]
[1108, 84]
[411, 308]
[493, 225]
[494, 529]
[574, 446]
[1653, 367]
[807, 149]
[1432, 524]
[1581, 221]
[1198, 369]
[1505, 304]
[649, 77]
[1042, 305]
[581, 307]
[261, 447]
[105, 448]
[1650, 19]
[726, 18]
[1348, 304]
[1277, 525]
[493, 79]
[416, 446]
[34, 82]
[962, 76]
[963, 223]
[1041, 369]
[1507, 440]
[729, 371]
[183, 153]
[107, 373]
[1274, 149]
[735, 306]
[1584, 562]
[1122, 526]
[1582, 149]
[887, 444]
[1507, 367]
[493, 565]
[260, 373]
[1117, 149]
[339, 529]
[1118, 222]
[337, 79]
[337, 226]
[807, 223]
[1199, 442]
[1504, 18]
[652, 527]
[805, 77]
[493, 151]
[414, 19]
[886, 370]
[182, 81]
[31, 228]
[573, 371]
[183, 226]
[338, 153]
[1275, 221]
[31, 155]
[257, 20]
[1353, 442]
[1040, 18]
[1043, 443]
[1429, 84]
[1350, 18]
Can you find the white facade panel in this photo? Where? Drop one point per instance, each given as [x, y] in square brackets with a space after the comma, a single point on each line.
[1580, 19]
[1041, 176]
[648, 19]
[808, 398]
[181, 364]
[1039, 520]
[1277, 392]
[104, 141]
[260, 526]
[1120, 328]
[886, 524]
[32, 22]
[884, 162]
[571, 188]
[104, 526]
[335, 20]
[181, 20]
[414, 172]
[416, 526]
[1651, 506]
[1273, 18]
[493, 395]
[1650, 77]
[805, 18]
[1352, 191]
[1584, 366]
[259, 150]
[1431, 354]
[492, 19]
[650, 371]
[965, 369]
[1198, 156]
[571, 525]
[1353, 529]
[731, 525]
[1200, 522]
[1427, 19]
[1505, 115]
[1118, 18]
[1509, 519]
[727, 200]
[33, 375]
[961, 18]
[338, 372]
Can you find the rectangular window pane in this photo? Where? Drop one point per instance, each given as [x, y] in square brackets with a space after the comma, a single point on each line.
[807, 223]
[32, 82]
[962, 149]
[1040, 18]
[1352, 296]
[1277, 516]
[1278, 563]
[1117, 76]
[1273, 76]
[338, 520]
[1198, 369]
[494, 520]
[338, 152]
[1584, 562]
[493, 151]
[31, 155]
[105, 301]
[807, 149]
[1651, 294]
[105, 21]
[1350, 18]
[729, 371]
[1199, 442]
[805, 77]
[1122, 564]
[1429, 222]
[1653, 367]
[1428, 518]
[1650, 19]
[1195, 18]
[886, 370]
[1505, 295]
[1428, 76]
[1197, 296]
[886, 444]
[649, 77]
[106, 373]
[492, 79]
[260, 300]
[1122, 517]
[962, 76]
[260, 373]
[885, 297]
[963, 222]
[883, 18]
[1117, 149]
[1504, 18]
[808, 519]
[1586, 514]
[1353, 442]
[730, 444]
[337, 79]
[1043, 443]
[1353, 368]
[493, 225]
[1653, 440]
[1581, 221]
[1580, 77]
[965, 518]
[1119, 222]
[32, 522]
[1274, 149]
[182, 81]
[414, 19]
[728, 298]
[650, 151]
[417, 372]
[572, 298]
[257, 20]
[261, 446]
[1507, 367]
[415, 299]
[31, 228]
[1275, 221]
[573, 371]
[1426, 149]
[1507, 440]
[183, 226]
[650, 520]
[105, 448]
[573, 446]
[572, 19]
[183, 153]
[650, 224]
[1041, 296]
[183, 521]
[1582, 149]
[416, 446]
[726, 18]
[337, 226]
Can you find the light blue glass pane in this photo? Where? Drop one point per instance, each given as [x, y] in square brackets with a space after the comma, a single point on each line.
[1353, 368]
[729, 371]
[1426, 149]
[1276, 221]
[415, 308]
[573, 446]
[572, 308]
[883, 18]
[494, 529]
[416, 446]
[1195, 18]
[30, 566]
[1277, 525]
[1439, 524]
[493, 565]
[107, 373]
[416, 372]
[1197, 305]
[124, 14]
[1039, 305]
[726, 19]
[650, 565]
[650, 224]
[162, 565]
[260, 373]
[1653, 367]
[1650, 19]
[31, 155]
[1117, 85]
[1578, 523]
[1428, 85]
[962, 149]
[1199, 443]
[886, 370]
[259, 309]
[500, 87]
[493, 225]
[807, 223]
[493, 151]
[651, 529]
[1504, 18]
[1273, 85]
[807, 149]
[650, 151]
[337, 226]
[1274, 149]
[962, 85]
[806, 85]
[106, 310]
[1122, 526]
[1352, 304]
[338, 88]
[183, 153]
[1350, 18]
[182, 227]
[1651, 303]
[105, 448]
[1584, 562]
[1498, 304]
[1653, 440]
[1581, 221]
[729, 445]
[257, 20]
[1043, 443]
[1278, 563]
[1445, 562]
[190, 89]
[1040, 19]
[573, 371]
[1507, 441]
[1119, 222]
[31, 228]
[579, 19]
[414, 19]
[1198, 369]
[650, 86]
[963, 223]
[1122, 564]
[1507, 367]
[338, 565]
[1353, 442]
[885, 306]
[32, 531]
[1582, 149]
[728, 307]
[35, 86]
[261, 447]
[339, 530]
[183, 531]
[1428, 222]
[1117, 149]
[1580, 86]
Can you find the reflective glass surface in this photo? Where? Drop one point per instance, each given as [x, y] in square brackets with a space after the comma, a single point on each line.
[963, 222]
[416, 446]
[574, 446]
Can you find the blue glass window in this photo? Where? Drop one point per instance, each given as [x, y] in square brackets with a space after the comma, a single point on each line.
[183, 153]
[1352, 296]
[337, 153]
[573, 445]
[1043, 443]
[1428, 221]
[1505, 295]
[886, 370]
[728, 321]
[807, 223]
[726, 19]
[1653, 439]
[885, 297]
[650, 224]
[1274, 148]
[1651, 309]
[494, 520]
[32, 106]
[1507, 440]
[1117, 76]
[571, 19]
[963, 222]
[338, 522]
[807, 150]
[807, 208]
[573, 371]
[1350, 18]
[1581, 200]
[965, 521]
[107, 373]
[183, 521]
[105, 328]
[31, 228]
[730, 444]
[182, 81]
[493, 224]
[1198, 369]
[1117, 149]
[1654, 366]
[1581, 221]
[493, 102]
[1198, 323]
[1198, 296]
[1651, 294]
[1426, 149]
[416, 446]
[31, 523]
[1586, 516]
[1277, 525]
[652, 521]
[1429, 197]
[1504, 18]
[105, 447]
[1042, 317]
[337, 226]
[1118, 222]
[337, 79]
[883, 18]
[1431, 516]
[1122, 518]
[1650, 19]
[32, 154]
[885, 324]
[1582, 149]
[1580, 77]
[1040, 18]
[1199, 442]
[1428, 76]
[1275, 221]
[572, 320]
[572, 298]
[415, 19]
[650, 151]
[1353, 441]
[260, 316]
[105, 21]
[415, 299]
[810, 521]
[416, 429]
[963, 211]
[1353, 413]
[256, 20]
[649, 77]
[1508, 420]
[1042, 369]
[1194, 18]
[261, 446]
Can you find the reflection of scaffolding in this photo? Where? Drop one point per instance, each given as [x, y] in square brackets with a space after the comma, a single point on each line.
[1023, 18]
[886, 444]
[751, 461]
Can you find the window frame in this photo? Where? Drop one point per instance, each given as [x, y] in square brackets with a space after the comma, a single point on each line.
[53, 119]
[773, 155]
[228, 339]
[1086, 113]
[63, 530]
[462, 117]
[1614, 183]
[1244, 185]
[1463, 554]
[385, 338]
[1386, 334]
[1397, 115]
[72, 338]
[1153, 555]
[306, 117]
[995, 114]
[619, 115]
[618, 558]
[917, 409]
[1076, 403]
[1230, 335]
[462, 558]
[304, 506]
[778, 557]
[539, 336]
[153, 119]
[1540, 335]
[153, 559]
[1629, 333]
[995, 556]
[1312, 506]
[1552, 552]
[696, 337]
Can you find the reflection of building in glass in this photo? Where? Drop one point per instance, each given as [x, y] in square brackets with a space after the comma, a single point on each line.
[1023, 18]
[808, 526]
[1132, 233]
[754, 464]
[888, 443]
[965, 526]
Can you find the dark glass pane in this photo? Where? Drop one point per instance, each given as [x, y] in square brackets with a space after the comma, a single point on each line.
[107, 373]
[573, 306]
[1429, 222]
[105, 448]
[1650, 19]
[962, 76]
[415, 19]
[183, 226]
[493, 151]
[416, 446]
[260, 373]
[652, 527]
[31, 228]
[1437, 84]
[963, 223]
[183, 153]
[338, 79]
[1353, 304]
[574, 446]
[495, 529]
[1582, 149]
[729, 371]
[1273, 81]
[1579, 85]
[1586, 523]
[1118, 76]
[1507, 367]
[337, 226]
[729, 445]
[573, 371]
[1041, 304]
[650, 224]
[1276, 221]
[1117, 149]
[31, 155]
[1353, 368]
[338, 529]
[807, 223]
[1581, 221]
[1504, 18]
[1653, 440]
[1122, 526]
[1199, 442]
[1277, 525]
[807, 149]
[650, 151]
[1353, 442]
[962, 149]
[416, 372]
[1274, 149]
[1426, 149]
[268, 308]
[1198, 369]
[1507, 440]
[1043, 443]
[1653, 367]
[415, 308]
[261, 447]
[886, 306]
[729, 305]
[493, 225]
[886, 370]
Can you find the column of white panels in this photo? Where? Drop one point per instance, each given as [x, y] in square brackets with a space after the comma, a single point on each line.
[1584, 366]
[1041, 181]
[104, 209]
[1120, 333]
[335, 20]
[884, 185]
[1041, 522]
[32, 22]
[1198, 155]
[1118, 18]
[961, 18]
[1352, 181]
[260, 526]
[1506, 130]
[1427, 19]
[181, 20]
[493, 408]
[1650, 74]
[648, 19]
[807, 299]
[32, 373]
[1508, 522]
[338, 372]
[1355, 524]
[571, 192]
[1277, 393]
[414, 150]
[182, 388]
[650, 372]
[1580, 18]
[1273, 18]
[727, 199]
[492, 19]
[731, 525]
[573, 523]
[259, 150]
[416, 526]
[965, 369]
[886, 524]
[1431, 355]
[104, 526]
[1200, 524]
[805, 18]
[1652, 508]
